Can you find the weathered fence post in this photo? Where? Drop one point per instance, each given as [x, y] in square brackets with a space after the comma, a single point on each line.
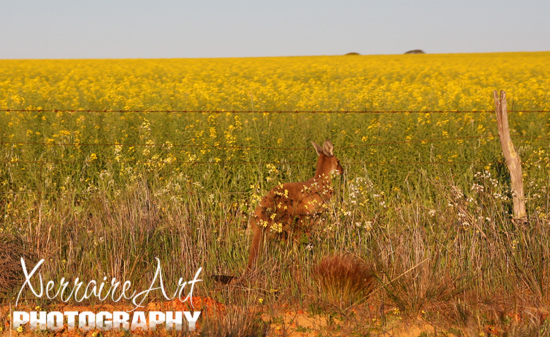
[512, 158]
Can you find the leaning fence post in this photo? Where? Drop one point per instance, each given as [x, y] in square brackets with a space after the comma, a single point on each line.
[512, 158]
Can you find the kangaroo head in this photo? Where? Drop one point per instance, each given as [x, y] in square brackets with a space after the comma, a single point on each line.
[327, 162]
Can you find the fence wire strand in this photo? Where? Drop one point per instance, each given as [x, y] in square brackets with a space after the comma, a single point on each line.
[222, 162]
[272, 111]
[244, 147]
[237, 147]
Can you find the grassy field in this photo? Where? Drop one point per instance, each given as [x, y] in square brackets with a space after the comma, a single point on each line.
[107, 164]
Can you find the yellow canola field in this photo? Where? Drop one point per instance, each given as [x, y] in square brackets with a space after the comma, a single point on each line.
[119, 143]
[380, 82]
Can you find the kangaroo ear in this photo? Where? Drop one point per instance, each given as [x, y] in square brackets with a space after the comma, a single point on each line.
[328, 148]
[317, 147]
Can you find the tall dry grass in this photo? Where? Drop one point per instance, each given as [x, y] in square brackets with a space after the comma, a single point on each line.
[447, 259]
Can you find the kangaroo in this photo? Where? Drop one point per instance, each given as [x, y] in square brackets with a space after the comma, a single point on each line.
[288, 209]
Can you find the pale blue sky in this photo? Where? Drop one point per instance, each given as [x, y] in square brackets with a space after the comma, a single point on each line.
[216, 28]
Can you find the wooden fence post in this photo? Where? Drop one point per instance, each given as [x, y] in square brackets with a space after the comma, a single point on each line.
[512, 158]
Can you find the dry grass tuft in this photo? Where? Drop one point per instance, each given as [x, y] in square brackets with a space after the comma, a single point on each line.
[12, 249]
[344, 280]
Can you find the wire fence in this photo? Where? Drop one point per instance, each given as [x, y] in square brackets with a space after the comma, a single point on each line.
[241, 147]
[273, 111]
[222, 162]
[237, 147]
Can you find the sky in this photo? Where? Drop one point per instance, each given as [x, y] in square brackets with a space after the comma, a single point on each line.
[61, 29]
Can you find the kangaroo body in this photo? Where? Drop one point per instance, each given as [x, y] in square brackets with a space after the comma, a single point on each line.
[290, 209]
